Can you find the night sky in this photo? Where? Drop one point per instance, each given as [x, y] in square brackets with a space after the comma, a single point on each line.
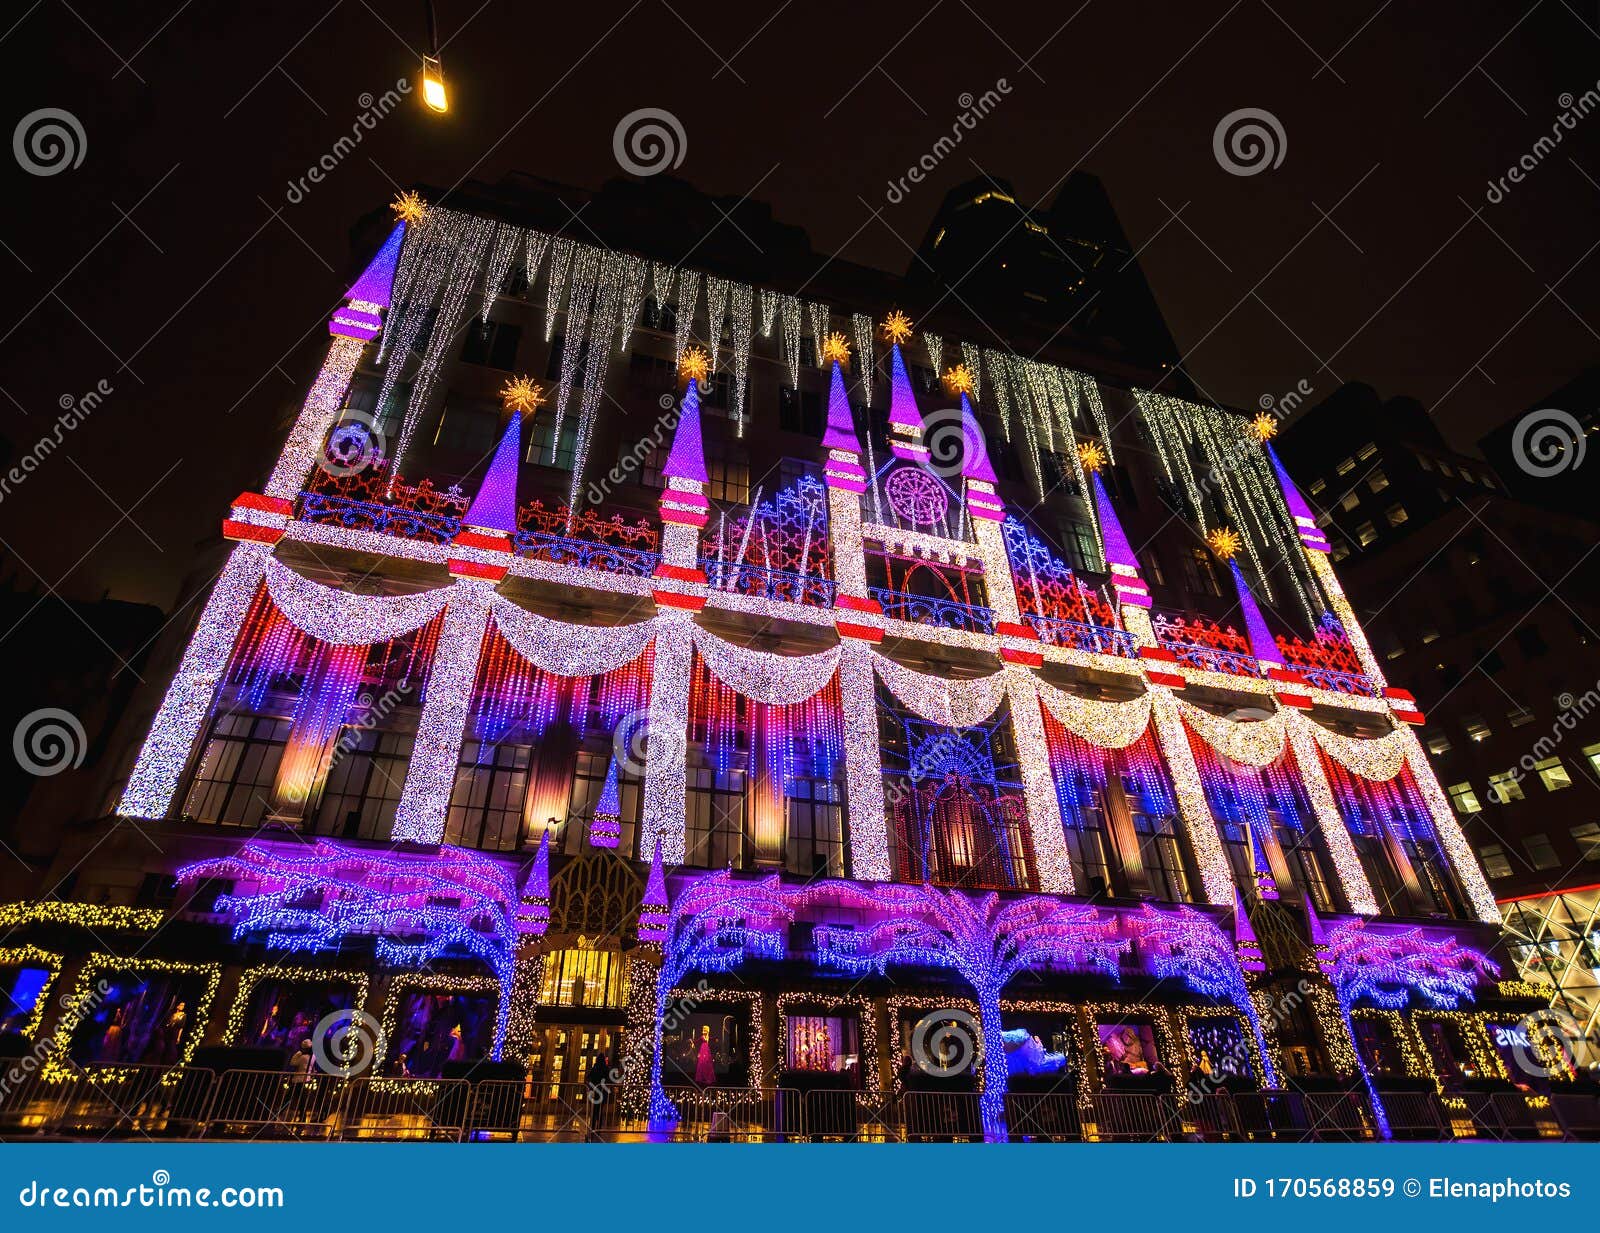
[170, 265]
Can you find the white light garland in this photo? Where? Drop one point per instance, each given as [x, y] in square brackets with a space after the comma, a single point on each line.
[763, 676]
[585, 274]
[740, 317]
[431, 773]
[569, 649]
[177, 724]
[560, 261]
[863, 761]
[1375, 758]
[633, 272]
[1357, 890]
[939, 700]
[508, 241]
[716, 315]
[688, 295]
[1105, 725]
[1247, 742]
[1448, 830]
[1215, 876]
[789, 306]
[1038, 783]
[861, 328]
[768, 307]
[973, 359]
[343, 618]
[820, 319]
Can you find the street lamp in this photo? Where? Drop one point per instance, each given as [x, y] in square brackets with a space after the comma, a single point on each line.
[433, 94]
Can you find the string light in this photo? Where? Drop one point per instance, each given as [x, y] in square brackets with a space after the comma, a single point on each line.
[86, 996]
[434, 983]
[561, 250]
[866, 1021]
[32, 956]
[90, 916]
[233, 1034]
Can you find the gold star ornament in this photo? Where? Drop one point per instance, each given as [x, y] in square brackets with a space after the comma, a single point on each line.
[1264, 427]
[836, 349]
[695, 365]
[958, 380]
[408, 207]
[897, 327]
[523, 395]
[1225, 542]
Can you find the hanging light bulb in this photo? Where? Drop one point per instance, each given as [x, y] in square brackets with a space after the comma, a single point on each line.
[433, 94]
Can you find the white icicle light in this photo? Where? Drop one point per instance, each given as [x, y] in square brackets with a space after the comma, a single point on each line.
[177, 724]
[431, 775]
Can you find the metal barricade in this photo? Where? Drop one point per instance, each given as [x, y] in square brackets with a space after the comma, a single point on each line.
[1338, 1117]
[852, 1117]
[495, 1110]
[29, 1105]
[107, 1101]
[386, 1109]
[942, 1117]
[1526, 1116]
[1414, 1116]
[560, 1112]
[1579, 1115]
[1133, 1117]
[1212, 1117]
[274, 1104]
[1043, 1117]
[737, 1114]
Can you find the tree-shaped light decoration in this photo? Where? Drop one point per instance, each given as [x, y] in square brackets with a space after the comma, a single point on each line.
[987, 941]
[715, 923]
[533, 914]
[1389, 970]
[419, 910]
[1190, 945]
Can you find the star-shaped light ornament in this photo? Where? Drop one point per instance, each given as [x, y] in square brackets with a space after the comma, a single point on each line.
[1264, 427]
[523, 395]
[408, 207]
[1091, 456]
[835, 349]
[695, 364]
[1225, 542]
[958, 380]
[897, 327]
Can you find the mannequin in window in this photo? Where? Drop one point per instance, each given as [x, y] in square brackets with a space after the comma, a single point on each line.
[705, 1069]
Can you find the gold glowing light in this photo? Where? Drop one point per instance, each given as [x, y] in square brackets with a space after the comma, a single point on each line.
[835, 348]
[522, 394]
[897, 327]
[1091, 456]
[408, 207]
[1264, 427]
[695, 364]
[1225, 542]
[958, 380]
[433, 95]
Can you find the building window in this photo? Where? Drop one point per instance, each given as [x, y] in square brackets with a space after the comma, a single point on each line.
[1340, 551]
[1198, 573]
[494, 345]
[1520, 715]
[1396, 515]
[728, 470]
[1438, 743]
[800, 411]
[1078, 539]
[1464, 799]
[814, 844]
[1541, 852]
[363, 786]
[715, 838]
[1349, 501]
[1476, 729]
[1587, 836]
[491, 790]
[545, 449]
[1429, 634]
[1317, 486]
[1444, 469]
[1366, 533]
[587, 978]
[1366, 451]
[1504, 788]
[1346, 466]
[234, 783]
[1425, 462]
[1377, 481]
[1553, 774]
[470, 425]
[1493, 858]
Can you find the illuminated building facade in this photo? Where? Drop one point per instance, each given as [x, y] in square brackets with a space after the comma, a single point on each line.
[632, 676]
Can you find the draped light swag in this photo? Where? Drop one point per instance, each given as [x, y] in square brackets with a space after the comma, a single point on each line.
[764, 676]
[1106, 725]
[951, 704]
[1376, 758]
[1247, 742]
[570, 650]
[346, 619]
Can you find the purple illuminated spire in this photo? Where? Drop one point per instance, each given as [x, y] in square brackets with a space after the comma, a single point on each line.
[377, 280]
[605, 828]
[495, 506]
[841, 431]
[533, 914]
[1299, 511]
[903, 413]
[687, 458]
[1262, 644]
[1118, 550]
[1244, 937]
[654, 917]
[975, 464]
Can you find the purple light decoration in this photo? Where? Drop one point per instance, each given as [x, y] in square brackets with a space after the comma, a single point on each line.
[687, 458]
[370, 293]
[1237, 795]
[533, 915]
[654, 911]
[840, 434]
[455, 901]
[1181, 942]
[495, 506]
[1245, 942]
[1262, 644]
[975, 464]
[903, 413]
[1121, 562]
[1304, 520]
[605, 828]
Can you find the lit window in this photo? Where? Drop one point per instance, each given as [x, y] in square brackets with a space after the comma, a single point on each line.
[1592, 753]
[1316, 486]
[1444, 468]
[1349, 501]
[1477, 730]
[1494, 860]
[1340, 551]
[1464, 799]
[1504, 788]
[1587, 836]
[1366, 533]
[1438, 743]
[1366, 451]
[546, 449]
[1424, 462]
[1553, 774]
[1520, 715]
[1429, 634]
[1396, 514]
[1467, 475]
[1541, 852]
[1377, 481]
[1347, 466]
